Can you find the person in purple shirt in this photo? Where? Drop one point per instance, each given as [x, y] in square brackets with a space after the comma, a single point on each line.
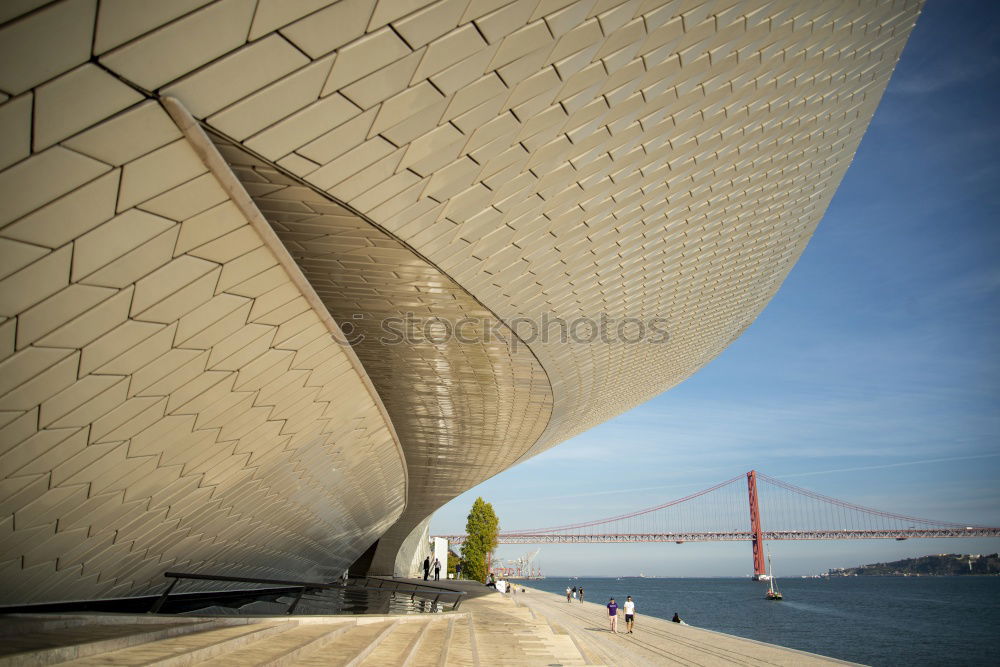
[613, 615]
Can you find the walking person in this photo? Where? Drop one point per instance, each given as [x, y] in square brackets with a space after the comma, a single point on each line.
[613, 615]
[580, 593]
[437, 570]
[427, 567]
[458, 570]
[568, 594]
[629, 613]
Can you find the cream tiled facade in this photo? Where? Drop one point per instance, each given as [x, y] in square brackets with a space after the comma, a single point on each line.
[196, 195]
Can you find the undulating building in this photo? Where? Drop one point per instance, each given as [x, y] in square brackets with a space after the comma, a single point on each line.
[281, 278]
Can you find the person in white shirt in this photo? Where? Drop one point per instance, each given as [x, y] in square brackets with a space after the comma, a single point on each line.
[629, 614]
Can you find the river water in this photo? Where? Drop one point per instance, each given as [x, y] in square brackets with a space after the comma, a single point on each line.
[872, 620]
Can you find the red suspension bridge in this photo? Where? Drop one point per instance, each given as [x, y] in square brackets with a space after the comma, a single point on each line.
[719, 513]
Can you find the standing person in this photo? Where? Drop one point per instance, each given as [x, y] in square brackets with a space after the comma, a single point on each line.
[437, 570]
[427, 567]
[568, 594]
[629, 613]
[613, 615]
[580, 593]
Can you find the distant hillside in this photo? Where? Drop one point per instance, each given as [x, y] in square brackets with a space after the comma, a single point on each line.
[939, 565]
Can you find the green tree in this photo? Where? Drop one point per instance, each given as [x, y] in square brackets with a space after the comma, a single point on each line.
[482, 529]
[453, 560]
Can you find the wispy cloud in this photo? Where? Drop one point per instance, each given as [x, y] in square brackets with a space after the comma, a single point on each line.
[901, 464]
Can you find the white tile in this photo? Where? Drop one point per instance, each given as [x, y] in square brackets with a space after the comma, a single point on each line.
[34, 182]
[186, 299]
[15, 255]
[69, 216]
[7, 332]
[448, 50]
[76, 100]
[171, 51]
[128, 135]
[35, 282]
[432, 142]
[118, 341]
[119, 21]
[15, 130]
[297, 164]
[92, 324]
[14, 8]
[417, 125]
[157, 172]
[45, 44]
[384, 83]
[115, 238]
[236, 76]
[330, 28]
[562, 21]
[58, 309]
[499, 23]
[273, 103]
[209, 225]
[302, 127]
[428, 24]
[25, 365]
[364, 56]
[127, 268]
[187, 199]
[168, 280]
[273, 14]
[453, 79]
[407, 103]
[386, 12]
[351, 162]
[340, 139]
[526, 40]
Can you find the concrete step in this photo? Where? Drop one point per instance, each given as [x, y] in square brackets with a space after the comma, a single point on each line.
[433, 648]
[285, 648]
[350, 648]
[30, 642]
[398, 645]
[463, 650]
[190, 648]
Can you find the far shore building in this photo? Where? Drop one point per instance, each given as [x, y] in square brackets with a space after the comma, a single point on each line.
[279, 279]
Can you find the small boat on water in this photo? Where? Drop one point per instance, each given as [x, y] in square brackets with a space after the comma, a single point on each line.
[772, 591]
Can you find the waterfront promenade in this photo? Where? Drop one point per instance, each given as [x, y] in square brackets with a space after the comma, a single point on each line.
[529, 628]
[655, 641]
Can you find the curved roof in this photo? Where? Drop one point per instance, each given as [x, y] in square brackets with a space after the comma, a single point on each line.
[526, 165]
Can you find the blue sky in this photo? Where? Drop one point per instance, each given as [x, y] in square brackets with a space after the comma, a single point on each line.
[874, 374]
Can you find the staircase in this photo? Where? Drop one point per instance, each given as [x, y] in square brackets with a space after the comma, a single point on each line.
[487, 631]
[89, 640]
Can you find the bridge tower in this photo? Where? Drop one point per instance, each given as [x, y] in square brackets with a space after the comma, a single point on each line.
[758, 536]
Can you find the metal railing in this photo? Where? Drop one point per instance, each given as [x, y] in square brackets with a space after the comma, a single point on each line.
[439, 590]
[302, 586]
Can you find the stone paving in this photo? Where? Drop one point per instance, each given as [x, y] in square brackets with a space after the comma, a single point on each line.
[489, 628]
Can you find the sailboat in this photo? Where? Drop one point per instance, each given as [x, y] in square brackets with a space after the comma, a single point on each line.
[772, 592]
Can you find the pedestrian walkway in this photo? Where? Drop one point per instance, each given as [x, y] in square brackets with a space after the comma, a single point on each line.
[489, 629]
[655, 641]
[530, 628]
